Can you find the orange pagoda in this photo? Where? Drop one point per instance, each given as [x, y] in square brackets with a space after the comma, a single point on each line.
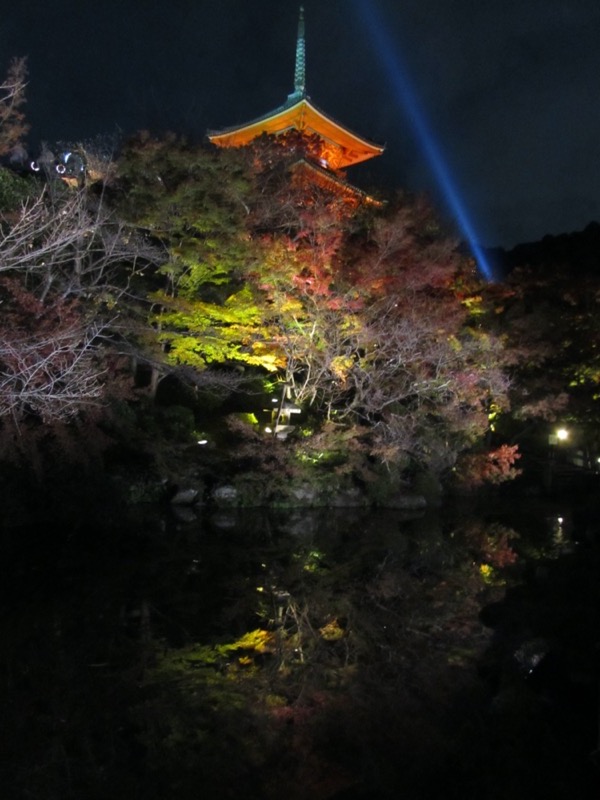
[336, 147]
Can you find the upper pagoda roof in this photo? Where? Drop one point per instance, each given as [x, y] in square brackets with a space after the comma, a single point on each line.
[343, 148]
[301, 114]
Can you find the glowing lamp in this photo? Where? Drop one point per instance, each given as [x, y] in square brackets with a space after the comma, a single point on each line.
[558, 436]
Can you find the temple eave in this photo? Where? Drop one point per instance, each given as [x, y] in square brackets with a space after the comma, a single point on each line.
[330, 180]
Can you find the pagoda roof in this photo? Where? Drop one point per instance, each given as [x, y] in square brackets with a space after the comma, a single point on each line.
[332, 181]
[301, 114]
[340, 147]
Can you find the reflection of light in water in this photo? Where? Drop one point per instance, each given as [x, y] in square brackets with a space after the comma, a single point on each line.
[426, 139]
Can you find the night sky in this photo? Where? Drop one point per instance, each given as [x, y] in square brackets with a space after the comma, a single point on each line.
[511, 88]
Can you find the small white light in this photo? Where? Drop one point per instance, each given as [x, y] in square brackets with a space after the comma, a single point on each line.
[559, 520]
[562, 434]
[202, 441]
[268, 430]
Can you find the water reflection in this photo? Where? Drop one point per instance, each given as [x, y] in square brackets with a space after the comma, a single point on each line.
[317, 654]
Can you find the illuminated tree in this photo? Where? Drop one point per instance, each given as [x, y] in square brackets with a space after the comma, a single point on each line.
[360, 312]
[194, 202]
[285, 190]
[375, 331]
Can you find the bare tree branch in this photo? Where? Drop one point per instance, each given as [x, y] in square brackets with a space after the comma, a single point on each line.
[65, 262]
[51, 376]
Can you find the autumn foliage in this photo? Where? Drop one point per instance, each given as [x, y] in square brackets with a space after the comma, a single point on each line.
[203, 264]
[494, 466]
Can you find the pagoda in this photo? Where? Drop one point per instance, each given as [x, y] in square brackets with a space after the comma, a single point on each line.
[333, 146]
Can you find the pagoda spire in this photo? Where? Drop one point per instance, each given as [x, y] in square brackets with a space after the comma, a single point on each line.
[334, 147]
[300, 70]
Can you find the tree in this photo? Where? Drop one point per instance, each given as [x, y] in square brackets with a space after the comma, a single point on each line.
[66, 263]
[12, 98]
[286, 184]
[363, 314]
[51, 365]
[374, 329]
[70, 243]
[193, 201]
[547, 316]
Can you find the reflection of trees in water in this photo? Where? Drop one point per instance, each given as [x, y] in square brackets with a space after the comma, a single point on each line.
[253, 661]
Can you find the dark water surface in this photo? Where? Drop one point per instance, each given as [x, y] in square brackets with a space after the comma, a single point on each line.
[317, 654]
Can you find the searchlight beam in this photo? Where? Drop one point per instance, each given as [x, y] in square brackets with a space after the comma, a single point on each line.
[420, 125]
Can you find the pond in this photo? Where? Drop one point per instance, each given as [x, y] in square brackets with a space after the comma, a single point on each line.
[322, 654]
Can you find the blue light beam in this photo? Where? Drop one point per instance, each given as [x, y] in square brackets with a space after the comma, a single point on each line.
[426, 139]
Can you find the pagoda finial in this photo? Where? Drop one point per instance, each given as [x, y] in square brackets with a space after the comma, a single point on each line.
[300, 72]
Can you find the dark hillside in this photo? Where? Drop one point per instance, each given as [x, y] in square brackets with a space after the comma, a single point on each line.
[580, 250]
